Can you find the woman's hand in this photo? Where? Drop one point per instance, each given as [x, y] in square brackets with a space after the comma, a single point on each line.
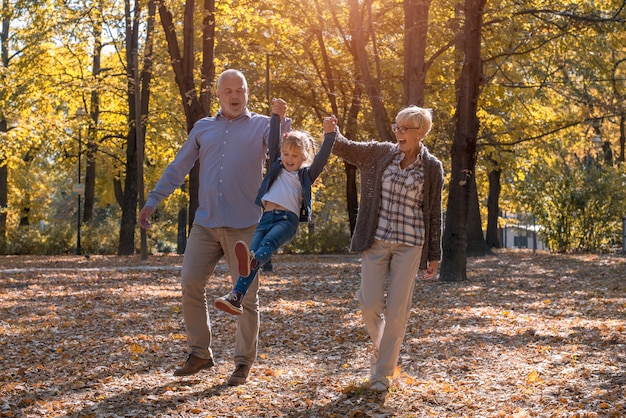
[431, 270]
[330, 124]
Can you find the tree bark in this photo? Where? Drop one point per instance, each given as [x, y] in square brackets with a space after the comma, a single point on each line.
[195, 106]
[94, 114]
[476, 245]
[371, 84]
[493, 208]
[132, 181]
[126, 245]
[4, 172]
[454, 260]
[352, 199]
[415, 39]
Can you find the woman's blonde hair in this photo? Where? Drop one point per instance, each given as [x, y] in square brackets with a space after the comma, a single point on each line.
[416, 117]
[301, 140]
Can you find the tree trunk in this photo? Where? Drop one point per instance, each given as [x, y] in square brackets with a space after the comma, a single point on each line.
[181, 241]
[352, 194]
[622, 137]
[454, 260]
[493, 208]
[135, 138]
[415, 38]
[372, 85]
[195, 106]
[194, 185]
[94, 113]
[126, 244]
[4, 128]
[476, 245]
[208, 52]
[4, 196]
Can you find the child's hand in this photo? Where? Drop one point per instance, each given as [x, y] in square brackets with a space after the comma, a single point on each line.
[279, 106]
[330, 124]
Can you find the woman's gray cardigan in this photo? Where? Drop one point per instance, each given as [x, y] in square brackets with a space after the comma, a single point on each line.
[372, 158]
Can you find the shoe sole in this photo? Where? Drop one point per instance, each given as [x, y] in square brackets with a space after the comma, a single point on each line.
[379, 387]
[242, 252]
[224, 305]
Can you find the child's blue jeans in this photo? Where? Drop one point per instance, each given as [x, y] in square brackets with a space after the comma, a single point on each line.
[276, 228]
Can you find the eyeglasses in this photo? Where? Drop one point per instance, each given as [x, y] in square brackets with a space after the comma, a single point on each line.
[400, 129]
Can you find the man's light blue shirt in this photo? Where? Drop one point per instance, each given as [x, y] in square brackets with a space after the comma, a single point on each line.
[232, 154]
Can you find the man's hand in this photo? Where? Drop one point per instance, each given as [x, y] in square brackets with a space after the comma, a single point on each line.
[144, 217]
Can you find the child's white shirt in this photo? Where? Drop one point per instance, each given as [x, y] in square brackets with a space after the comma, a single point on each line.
[286, 191]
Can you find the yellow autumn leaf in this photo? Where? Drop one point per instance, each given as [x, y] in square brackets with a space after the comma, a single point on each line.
[136, 348]
[533, 377]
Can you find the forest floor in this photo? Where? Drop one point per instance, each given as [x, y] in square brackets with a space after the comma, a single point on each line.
[527, 335]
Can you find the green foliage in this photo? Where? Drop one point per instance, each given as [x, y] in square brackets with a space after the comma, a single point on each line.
[59, 236]
[101, 235]
[579, 203]
[329, 232]
[38, 239]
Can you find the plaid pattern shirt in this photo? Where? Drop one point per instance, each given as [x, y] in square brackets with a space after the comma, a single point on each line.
[400, 218]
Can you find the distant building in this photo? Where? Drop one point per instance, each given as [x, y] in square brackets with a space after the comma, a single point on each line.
[521, 236]
[520, 231]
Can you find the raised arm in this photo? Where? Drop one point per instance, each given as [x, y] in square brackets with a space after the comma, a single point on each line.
[274, 138]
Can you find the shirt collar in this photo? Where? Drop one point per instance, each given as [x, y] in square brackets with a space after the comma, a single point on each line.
[245, 114]
[399, 155]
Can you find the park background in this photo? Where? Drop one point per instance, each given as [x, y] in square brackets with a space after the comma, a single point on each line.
[529, 121]
[528, 103]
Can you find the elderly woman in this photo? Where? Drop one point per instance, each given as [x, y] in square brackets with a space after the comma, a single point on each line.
[397, 231]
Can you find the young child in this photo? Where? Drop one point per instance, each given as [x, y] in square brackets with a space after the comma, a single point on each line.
[285, 196]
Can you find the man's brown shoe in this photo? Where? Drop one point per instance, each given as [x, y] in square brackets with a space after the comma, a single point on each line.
[193, 365]
[240, 375]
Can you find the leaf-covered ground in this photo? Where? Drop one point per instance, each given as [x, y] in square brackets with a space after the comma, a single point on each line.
[526, 335]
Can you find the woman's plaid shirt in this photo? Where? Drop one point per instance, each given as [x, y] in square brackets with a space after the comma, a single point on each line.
[400, 217]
